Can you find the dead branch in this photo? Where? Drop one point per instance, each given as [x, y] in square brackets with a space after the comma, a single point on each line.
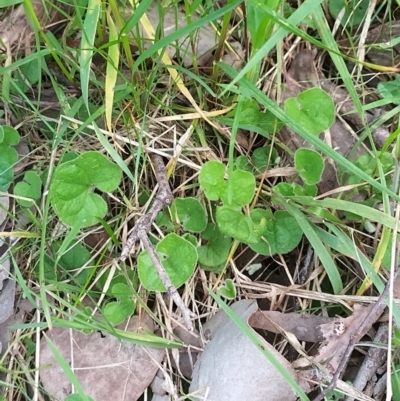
[142, 228]
[374, 312]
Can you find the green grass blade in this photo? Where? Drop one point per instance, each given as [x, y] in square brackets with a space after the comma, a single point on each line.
[111, 71]
[347, 206]
[87, 46]
[286, 26]
[112, 152]
[164, 42]
[319, 248]
[28, 59]
[135, 17]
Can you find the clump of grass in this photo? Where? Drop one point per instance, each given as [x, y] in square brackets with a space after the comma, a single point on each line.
[129, 100]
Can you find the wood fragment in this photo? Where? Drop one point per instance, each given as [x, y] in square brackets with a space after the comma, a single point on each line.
[374, 312]
[142, 228]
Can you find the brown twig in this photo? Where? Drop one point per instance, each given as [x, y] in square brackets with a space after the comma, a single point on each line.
[142, 228]
[375, 312]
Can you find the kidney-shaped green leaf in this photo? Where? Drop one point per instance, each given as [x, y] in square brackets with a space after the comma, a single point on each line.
[10, 138]
[243, 187]
[313, 109]
[71, 188]
[211, 179]
[227, 289]
[6, 176]
[237, 225]
[30, 187]
[190, 213]
[179, 258]
[214, 253]
[281, 234]
[309, 165]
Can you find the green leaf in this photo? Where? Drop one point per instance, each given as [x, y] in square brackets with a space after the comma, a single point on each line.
[228, 289]
[78, 397]
[252, 119]
[281, 233]
[264, 158]
[309, 165]
[243, 185]
[163, 219]
[68, 263]
[284, 189]
[313, 109]
[235, 224]
[70, 191]
[179, 258]
[6, 176]
[242, 163]
[119, 277]
[355, 11]
[10, 138]
[190, 213]
[121, 291]
[30, 187]
[390, 90]
[214, 253]
[191, 238]
[117, 312]
[305, 190]
[211, 179]
[27, 75]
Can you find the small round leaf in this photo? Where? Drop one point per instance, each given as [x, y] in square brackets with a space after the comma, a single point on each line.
[281, 234]
[30, 187]
[70, 191]
[214, 253]
[211, 179]
[190, 213]
[313, 109]
[178, 257]
[117, 312]
[309, 165]
[243, 186]
[235, 224]
[355, 11]
[6, 176]
[228, 289]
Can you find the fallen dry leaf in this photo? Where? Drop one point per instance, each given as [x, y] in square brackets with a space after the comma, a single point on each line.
[107, 368]
[303, 326]
[339, 333]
